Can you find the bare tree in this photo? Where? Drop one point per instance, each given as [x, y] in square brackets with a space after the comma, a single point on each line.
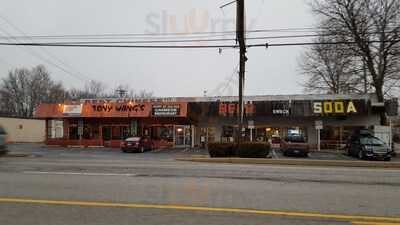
[95, 88]
[23, 90]
[372, 30]
[330, 69]
[144, 94]
[92, 89]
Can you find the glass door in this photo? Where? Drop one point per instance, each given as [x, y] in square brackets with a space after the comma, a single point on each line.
[179, 136]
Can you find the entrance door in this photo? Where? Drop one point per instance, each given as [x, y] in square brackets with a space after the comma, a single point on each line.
[183, 136]
[179, 136]
[106, 135]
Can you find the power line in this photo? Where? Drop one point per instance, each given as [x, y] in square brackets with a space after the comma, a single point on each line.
[232, 32]
[125, 46]
[37, 55]
[157, 37]
[221, 87]
[182, 40]
[188, 40]
[186, 46]
[43, 49]
[165, 35]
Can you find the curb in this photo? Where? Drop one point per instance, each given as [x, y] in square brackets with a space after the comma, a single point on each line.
[296, 162]
[15, 155]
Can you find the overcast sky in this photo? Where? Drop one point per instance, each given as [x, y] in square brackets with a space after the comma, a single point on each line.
[165, 72]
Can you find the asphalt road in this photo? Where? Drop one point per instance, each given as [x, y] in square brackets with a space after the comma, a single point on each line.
[100, 186]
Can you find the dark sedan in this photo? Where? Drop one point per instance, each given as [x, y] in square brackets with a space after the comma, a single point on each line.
[368, 147]
[136, 144]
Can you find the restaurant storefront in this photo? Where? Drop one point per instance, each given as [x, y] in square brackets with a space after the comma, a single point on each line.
[107, 122]
[191, 122]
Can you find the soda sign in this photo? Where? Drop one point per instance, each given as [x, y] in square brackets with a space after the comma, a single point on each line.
[334, 107]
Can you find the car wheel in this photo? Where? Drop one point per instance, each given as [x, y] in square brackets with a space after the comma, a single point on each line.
[360, 155]
[388, 159]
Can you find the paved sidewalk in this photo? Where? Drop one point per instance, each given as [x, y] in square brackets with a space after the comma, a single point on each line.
[297, 162]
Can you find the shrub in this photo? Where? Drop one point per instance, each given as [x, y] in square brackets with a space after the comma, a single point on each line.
[3, 152]
[218, 149]
[253, 150]
[245, 150]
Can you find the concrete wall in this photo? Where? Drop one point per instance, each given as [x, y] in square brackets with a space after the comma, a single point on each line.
[24, 130]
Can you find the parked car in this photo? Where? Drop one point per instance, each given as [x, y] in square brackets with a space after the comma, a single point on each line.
[295, 145]
[137, 144]
[366, 146]
[3, 144]
[275, 141]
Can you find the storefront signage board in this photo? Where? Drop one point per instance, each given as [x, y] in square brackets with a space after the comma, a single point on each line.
[319, 125]
[72, 110]
[134, 110]
[231, 109]
[250, 124]
[166, 110]
[334, 107]
[280, 108]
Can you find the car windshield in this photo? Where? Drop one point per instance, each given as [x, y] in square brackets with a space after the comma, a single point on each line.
[371, 141]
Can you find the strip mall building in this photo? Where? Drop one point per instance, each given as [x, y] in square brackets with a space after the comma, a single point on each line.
[190, 122]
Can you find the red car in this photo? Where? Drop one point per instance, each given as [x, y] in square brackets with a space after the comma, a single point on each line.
[137, 144]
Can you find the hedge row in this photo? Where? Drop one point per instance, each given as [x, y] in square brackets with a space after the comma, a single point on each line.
[244, 150]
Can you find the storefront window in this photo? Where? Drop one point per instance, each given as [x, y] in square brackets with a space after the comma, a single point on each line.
[260, 134]
[330, 133]
[87, 132]
[188, 136]
[106, 132]
[119, 132]
[207, 134]
[73, 132]
[163, 133]
[55, 129]
[228, 134]
[179, 135]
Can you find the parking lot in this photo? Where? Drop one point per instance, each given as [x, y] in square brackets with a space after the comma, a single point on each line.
[41, 150]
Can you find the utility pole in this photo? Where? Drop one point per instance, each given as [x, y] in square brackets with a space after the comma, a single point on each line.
[241, 39]
[240, 36]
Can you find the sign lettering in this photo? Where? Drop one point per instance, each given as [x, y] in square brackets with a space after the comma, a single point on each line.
[230, 109]
[118, 108]
[166, 110]
[334, 107]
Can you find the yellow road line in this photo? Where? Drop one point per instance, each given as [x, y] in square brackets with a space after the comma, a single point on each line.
[373, 223]
[357, 218]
